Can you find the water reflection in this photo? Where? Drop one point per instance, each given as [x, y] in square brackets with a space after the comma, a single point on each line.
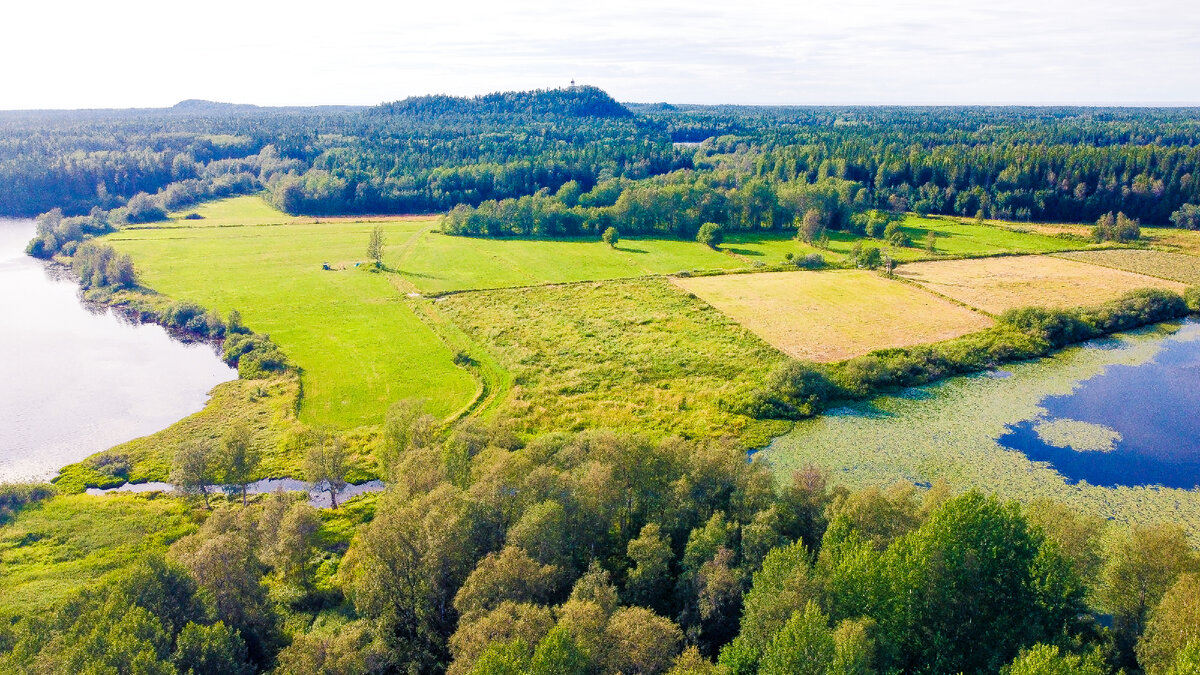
[77, 378]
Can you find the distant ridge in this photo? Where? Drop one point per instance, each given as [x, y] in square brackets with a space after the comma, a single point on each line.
[580, 101]
[201, 105]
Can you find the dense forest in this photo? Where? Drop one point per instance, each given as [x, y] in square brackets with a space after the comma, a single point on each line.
[609, 553]
[573, 161]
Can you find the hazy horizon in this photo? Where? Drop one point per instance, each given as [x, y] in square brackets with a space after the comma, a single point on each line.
[136, 54]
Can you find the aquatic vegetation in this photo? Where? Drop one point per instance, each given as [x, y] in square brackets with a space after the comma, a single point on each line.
[951, 431]
[1077, 435]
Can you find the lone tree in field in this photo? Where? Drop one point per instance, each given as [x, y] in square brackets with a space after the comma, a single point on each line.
[375, 246]
[811, 226]
[711, 235]
[930, 241]
[193, 469]
[325, 465]
[611, 237]
[239, 458]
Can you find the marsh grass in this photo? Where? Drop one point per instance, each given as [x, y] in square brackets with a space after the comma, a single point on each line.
[638, 355]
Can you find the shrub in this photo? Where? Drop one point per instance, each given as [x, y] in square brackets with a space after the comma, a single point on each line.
[895, 235]
[611, 236]
[812, 261]
[1187, 217]
[711, 235]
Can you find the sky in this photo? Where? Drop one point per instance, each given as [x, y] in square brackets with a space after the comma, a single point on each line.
[138, 53]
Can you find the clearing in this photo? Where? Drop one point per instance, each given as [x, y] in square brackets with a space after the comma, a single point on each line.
[997, 284]
[1161, 264]
[834, 315]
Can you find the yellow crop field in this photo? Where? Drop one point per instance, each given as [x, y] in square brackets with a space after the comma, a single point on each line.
[996, 284]
[834, 315]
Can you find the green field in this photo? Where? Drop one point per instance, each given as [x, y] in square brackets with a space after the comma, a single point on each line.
[954, 239]
[359, 345]
[436, 263]
[639, 355]
[235, 211]
[57, 546]
[362, 344]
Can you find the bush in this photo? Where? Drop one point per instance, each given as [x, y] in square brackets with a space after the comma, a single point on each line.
[254, 355]
[711, 235]
[1191, 298]
[812, 261]
[115, 466]
[100, 266]
[1187, 217]
[896, 236]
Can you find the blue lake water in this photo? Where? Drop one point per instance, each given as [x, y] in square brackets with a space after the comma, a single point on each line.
[1153, 409]
[77, 379]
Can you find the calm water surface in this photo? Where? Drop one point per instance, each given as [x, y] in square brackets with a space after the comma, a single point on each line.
[1152, 414]
[75, 380]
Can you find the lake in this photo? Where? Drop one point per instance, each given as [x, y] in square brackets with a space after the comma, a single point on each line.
[77, 379]
[1109, 427]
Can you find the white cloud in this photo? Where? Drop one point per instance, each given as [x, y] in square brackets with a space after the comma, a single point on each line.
[135, 52]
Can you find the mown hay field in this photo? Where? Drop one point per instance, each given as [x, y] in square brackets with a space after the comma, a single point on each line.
[997, 284]
[836, 314]
[638, 355]
[1162, 264]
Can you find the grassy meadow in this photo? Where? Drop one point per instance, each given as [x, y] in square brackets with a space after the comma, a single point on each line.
[437, 263]
[836, 314]
[360, 347]
[59, 545]
[994, 285]
[954, 239]
[638, 355]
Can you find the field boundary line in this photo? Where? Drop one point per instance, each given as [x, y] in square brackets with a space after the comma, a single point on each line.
[930, 291]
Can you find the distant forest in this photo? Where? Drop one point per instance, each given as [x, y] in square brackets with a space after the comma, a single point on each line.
[584, 162]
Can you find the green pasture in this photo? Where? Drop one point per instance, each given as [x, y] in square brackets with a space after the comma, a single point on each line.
[60, 545]
[359, 345]
[244, 210]
[954, 240]
[437, 263]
